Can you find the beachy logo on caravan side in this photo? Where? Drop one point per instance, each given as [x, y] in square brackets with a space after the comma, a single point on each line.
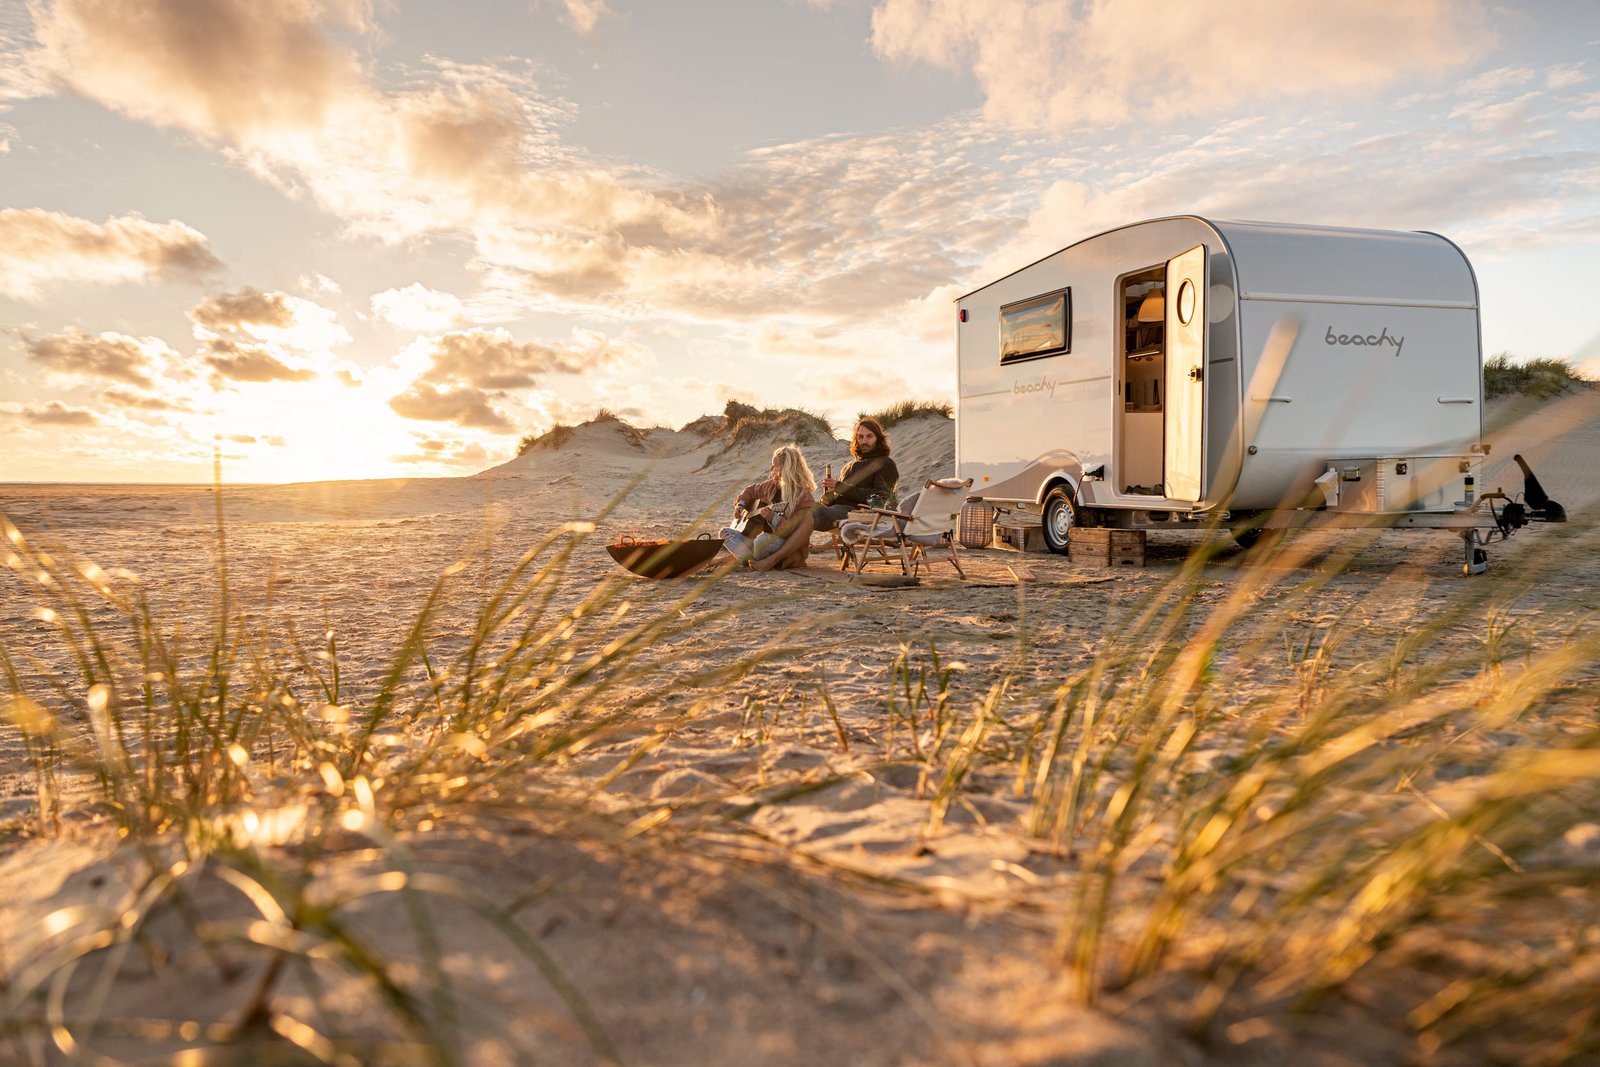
[1370, 340]
[1045, 384]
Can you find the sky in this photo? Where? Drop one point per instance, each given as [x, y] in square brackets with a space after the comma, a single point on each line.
[326, 239]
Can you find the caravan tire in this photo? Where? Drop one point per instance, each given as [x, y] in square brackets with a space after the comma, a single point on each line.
[1060, 516]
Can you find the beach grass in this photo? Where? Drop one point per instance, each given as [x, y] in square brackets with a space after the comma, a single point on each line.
[1290, 845]
[1233, 855]
[225, 754]
[1541, 377]
[909, 409]
[1311, 839]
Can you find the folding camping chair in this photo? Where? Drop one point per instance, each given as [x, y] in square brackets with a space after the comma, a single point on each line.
[926, 520]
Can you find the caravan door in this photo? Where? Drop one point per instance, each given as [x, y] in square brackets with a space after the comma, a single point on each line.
[1186, 367]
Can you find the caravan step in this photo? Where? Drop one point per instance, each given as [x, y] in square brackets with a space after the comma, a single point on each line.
[1020, 536]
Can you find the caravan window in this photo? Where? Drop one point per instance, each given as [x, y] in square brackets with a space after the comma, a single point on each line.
[1038, 326]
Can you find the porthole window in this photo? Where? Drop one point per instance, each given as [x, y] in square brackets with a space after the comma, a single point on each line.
[1186, 301]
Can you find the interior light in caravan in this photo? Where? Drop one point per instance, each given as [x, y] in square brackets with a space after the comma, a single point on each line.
[1154, 307]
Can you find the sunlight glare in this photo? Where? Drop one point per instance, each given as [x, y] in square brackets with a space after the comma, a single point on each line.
[320, 430]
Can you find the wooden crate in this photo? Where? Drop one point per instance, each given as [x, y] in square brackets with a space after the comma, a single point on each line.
[1019, 536]
[1106, 547]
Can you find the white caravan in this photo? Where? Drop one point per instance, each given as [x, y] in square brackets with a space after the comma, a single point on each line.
[1184, 368]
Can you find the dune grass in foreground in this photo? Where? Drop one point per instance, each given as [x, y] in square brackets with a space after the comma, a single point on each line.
[1236, 856]
[222, 757]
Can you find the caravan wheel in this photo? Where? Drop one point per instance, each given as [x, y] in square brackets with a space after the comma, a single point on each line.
[1247, 531]
[1060, 516]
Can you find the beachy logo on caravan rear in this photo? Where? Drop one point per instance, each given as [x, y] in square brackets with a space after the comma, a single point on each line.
[1367, 340]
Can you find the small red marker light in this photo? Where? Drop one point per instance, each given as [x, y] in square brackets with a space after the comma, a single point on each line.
[963, 314]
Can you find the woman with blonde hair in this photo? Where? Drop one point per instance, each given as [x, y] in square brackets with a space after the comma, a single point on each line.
[778, 503]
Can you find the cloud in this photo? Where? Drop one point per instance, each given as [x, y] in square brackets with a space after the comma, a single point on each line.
[40, 248]
[473, 148]
[418, 308]
[284, 322]
[233, 67]
[1588, 107]
[113, 356]
[584, 15]
[433, 450]
[1503, 117]
[20, 76]
[478, 149]
[1430, 174]
[243, 310]
[1068, 64]
[468, 376]
[1565, 77]
[252, 363]
[122, 398]
[835, 228]
[461, 145]
[56, 413]
[458, 147]
[463, 406]
[871, 387]
[852, 242]
[491, 359]
[862, 368]
[319, 283]
[1499, 79]
[781, 341]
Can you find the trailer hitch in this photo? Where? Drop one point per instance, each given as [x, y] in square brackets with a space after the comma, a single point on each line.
[1509, 517]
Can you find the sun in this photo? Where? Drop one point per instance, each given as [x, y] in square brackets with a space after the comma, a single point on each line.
[321, 430]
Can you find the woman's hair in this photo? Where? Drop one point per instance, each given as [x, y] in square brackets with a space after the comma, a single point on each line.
[883, 438]
[794, 474]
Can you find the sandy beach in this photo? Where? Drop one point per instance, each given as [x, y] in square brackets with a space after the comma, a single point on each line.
[785, 818]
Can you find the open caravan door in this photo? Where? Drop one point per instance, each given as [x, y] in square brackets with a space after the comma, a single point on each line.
[1185, 337]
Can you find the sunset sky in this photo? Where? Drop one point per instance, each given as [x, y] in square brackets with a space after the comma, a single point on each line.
[350, 239]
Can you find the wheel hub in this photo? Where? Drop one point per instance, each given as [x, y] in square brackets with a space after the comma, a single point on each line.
[1060, 520]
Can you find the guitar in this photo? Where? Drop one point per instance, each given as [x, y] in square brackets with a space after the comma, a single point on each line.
[753, 524]
[750, 524]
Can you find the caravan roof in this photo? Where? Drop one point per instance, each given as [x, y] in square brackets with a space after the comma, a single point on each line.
[1330, 263]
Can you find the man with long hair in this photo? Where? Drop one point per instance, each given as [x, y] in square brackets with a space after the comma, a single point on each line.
[868, 480]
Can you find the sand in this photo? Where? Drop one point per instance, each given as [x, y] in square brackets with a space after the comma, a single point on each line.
[801, 902]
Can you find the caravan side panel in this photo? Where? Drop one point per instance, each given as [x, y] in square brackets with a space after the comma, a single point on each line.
[1063, 406]
[1010, 415]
